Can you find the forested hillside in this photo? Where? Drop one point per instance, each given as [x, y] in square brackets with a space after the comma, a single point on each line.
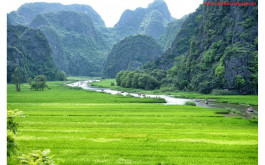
[29, 50]
[151, 21]
[180, 45]
[171, 32]
[213, 48]
[27, 12]
[131, 53]
[78, 48]
[78, 36]
[218, 51]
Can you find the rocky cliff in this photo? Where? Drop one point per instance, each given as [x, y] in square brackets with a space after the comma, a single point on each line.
[131, 53]
[78, 48]
[29, 50]
[216, 48]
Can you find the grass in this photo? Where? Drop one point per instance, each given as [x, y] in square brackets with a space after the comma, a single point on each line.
[60, 93]
[82, 78]
[191, 103]
[83, 127]
[233, 99]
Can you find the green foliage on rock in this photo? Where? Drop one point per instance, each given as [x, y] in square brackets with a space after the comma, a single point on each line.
[29, 50]
[131, 53]
[78, 45]
[239, 81]
[151, 21]
[171, 32]
[220, 43]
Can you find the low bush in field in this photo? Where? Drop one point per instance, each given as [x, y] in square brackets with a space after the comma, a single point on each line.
[190, 103]
[37, 157]
[223, 112]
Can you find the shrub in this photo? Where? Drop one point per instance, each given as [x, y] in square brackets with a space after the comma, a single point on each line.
[223, 112]
[12, 127]
[190, 103]
[233, 110]
[61, 76]
[112, 83]
[37, 157]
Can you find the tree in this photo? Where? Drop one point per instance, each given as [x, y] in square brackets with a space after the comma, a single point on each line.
[135, 80]
[118, 78]
[239, 81]
[39, 82]
[129, 79]
[123, 78]
[30, 81]
[17, 78]
[61, 76]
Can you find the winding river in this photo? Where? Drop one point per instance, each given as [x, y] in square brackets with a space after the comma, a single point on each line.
[171, 100]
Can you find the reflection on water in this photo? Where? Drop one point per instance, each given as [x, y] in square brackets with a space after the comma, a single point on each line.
[170, 100]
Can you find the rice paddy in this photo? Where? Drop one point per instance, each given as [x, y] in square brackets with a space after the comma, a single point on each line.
[83, 127]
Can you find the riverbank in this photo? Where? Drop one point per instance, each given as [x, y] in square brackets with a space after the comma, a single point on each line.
[230, 110]
[86, 127]
[231, 99]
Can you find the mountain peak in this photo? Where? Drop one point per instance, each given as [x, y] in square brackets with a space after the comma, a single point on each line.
[161, 6]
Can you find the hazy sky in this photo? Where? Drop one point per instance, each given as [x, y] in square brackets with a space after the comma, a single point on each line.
[111, 10]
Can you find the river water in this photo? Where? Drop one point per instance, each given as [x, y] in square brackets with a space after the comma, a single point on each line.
[170, 100]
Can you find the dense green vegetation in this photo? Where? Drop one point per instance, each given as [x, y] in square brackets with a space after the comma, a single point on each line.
[171, 32]
[78, 48]
[151, 21]
[131, 53]
[136, 79]
[29, 50]
[83, 127]
[180, 45]
[219, 52]
[61, 76]
[234, 99]
[12, 127]
[78, 37]
[39, 83]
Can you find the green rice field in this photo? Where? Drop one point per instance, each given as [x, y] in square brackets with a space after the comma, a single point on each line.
[84, 127]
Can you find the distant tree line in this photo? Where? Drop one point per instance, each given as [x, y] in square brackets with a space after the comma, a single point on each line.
[138, 79]
[156, 79]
